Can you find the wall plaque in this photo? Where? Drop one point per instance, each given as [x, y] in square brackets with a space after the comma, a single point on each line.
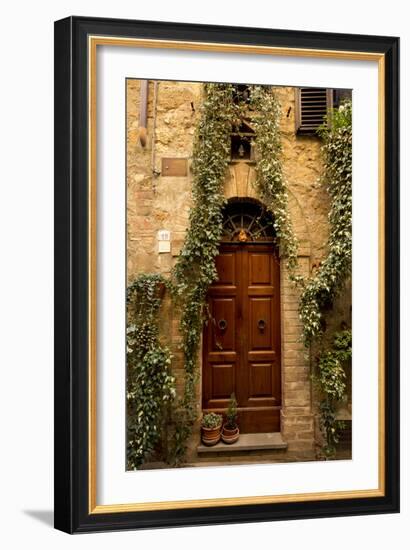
[175, 167]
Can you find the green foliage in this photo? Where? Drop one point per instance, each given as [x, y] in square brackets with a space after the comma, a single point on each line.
[150, 385]
[211, 420]
[331, 366]
[331, 428]
[195, 269]
[331, 381]
[321, 289]
[270, 181]
[232, 412]
[331, 375]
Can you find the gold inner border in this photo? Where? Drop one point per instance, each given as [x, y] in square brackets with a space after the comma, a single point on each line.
[93, 42]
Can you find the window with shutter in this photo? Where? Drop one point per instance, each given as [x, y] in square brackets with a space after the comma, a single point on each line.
[312, 105]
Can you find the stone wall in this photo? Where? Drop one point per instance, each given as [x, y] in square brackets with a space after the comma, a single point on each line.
[159, 202]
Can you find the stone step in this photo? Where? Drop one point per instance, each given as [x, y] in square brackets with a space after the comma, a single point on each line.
[247, 442]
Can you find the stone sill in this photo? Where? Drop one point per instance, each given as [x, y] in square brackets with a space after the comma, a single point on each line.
[247, 442]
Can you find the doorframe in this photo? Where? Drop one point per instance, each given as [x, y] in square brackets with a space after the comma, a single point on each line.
[292, 417]
[276, 247]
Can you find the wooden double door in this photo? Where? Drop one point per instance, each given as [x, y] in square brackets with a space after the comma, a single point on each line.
[241, 344]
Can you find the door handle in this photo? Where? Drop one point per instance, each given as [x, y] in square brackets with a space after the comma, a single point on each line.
[261, 325]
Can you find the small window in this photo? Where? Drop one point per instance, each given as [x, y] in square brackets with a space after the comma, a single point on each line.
[242, 142]
[312, 104]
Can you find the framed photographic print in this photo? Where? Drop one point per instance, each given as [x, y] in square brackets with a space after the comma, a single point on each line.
[226, 276]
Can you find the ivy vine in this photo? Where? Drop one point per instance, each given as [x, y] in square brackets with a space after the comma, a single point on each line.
[330, 378]
[150, 382]
[150, 385]
[320, 291]
[195, 268]
[270, 181]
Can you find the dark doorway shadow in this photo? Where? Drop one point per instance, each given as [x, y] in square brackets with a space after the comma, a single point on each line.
[44, 516]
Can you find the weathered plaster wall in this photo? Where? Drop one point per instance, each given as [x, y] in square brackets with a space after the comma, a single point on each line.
[157, 202]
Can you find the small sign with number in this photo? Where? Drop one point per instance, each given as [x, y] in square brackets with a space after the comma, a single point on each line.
[164, 241]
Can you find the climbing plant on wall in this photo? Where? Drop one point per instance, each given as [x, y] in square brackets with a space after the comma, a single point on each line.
[270, 181]
[321, 289]
[195, 269]
[150, 385]
[149, 361]
[330, 378]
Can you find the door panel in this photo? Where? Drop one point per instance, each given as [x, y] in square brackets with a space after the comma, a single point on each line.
[241, 345]
[223, 380]
[259, 269]
[223, 320]
[260, 323]
[260, 380]
[225, 266]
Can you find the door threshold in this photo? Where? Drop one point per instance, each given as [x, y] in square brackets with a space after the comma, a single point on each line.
[247, 442]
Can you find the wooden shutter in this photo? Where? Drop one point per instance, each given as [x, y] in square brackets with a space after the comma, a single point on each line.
[312, 105]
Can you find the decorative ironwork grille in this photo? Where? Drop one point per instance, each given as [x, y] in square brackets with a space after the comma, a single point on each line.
[246, 221]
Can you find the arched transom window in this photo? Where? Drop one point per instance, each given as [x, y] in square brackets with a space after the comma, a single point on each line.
[247, 221]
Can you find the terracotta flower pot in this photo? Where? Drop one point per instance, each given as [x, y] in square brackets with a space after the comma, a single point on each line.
[211, 436]
[230, 435]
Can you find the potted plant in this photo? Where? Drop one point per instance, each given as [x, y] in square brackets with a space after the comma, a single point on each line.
[230, 430]
[211, 428]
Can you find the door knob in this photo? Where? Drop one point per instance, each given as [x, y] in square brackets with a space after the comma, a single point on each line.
[261, 325]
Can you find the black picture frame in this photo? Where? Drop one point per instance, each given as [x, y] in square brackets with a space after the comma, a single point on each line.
[72, 513]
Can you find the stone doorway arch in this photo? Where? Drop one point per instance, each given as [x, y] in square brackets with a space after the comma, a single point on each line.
[297, 411]
[242, 338]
